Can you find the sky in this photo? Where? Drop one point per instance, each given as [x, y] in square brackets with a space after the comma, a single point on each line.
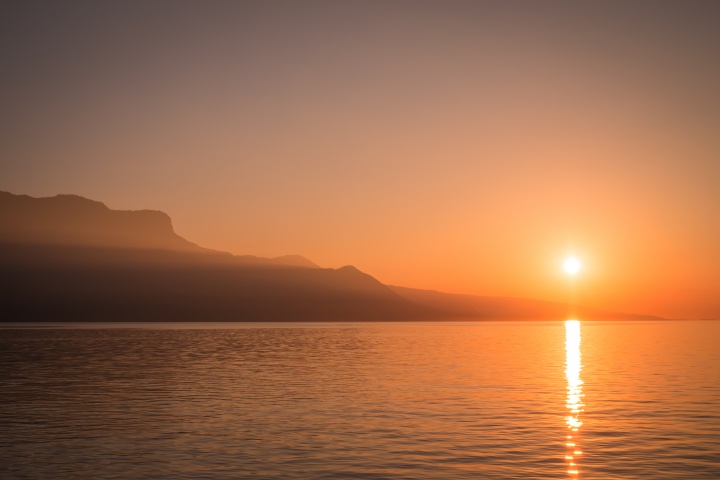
[461, 146]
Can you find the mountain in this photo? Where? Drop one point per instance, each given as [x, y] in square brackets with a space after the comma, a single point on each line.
[67, 258]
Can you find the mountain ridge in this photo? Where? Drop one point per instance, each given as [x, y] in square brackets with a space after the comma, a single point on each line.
[68, 219]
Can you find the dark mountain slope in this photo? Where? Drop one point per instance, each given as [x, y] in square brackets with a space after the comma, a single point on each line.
[62, 283]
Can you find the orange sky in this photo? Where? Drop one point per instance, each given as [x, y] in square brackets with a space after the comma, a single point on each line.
[458, 146]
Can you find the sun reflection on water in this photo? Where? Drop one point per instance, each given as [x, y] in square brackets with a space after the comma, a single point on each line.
[574, 402]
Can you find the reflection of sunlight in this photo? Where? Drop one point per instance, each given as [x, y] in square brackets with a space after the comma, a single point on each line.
[574, 402]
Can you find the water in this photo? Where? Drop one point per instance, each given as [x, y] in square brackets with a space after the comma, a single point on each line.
[401, 401]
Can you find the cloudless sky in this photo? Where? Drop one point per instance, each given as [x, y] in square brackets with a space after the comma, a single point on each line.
[463, 146]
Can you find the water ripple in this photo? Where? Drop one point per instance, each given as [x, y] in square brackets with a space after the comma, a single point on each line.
[371, 402]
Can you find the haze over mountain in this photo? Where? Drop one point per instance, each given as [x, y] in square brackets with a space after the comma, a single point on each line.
[76, 221]
[67, 258]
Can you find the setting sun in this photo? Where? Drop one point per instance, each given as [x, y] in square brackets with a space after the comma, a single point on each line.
[572, 265]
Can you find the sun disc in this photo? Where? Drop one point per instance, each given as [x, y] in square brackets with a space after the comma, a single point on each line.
[572, 265]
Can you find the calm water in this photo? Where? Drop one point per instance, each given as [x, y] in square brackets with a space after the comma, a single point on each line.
[492, 400]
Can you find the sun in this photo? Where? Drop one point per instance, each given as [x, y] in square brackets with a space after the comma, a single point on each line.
[572, 266]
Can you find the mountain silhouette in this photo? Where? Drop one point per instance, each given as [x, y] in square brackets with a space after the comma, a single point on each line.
[67, 258]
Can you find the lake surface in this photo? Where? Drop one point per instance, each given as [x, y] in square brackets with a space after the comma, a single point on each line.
[494, 400]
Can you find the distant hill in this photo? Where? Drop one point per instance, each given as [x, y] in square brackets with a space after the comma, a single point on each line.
[478, 307]
[289, 260]
[67, 258]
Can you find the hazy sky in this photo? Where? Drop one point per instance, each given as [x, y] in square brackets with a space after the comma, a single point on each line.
[463, 146]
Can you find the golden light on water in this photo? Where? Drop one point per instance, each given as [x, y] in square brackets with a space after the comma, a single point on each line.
[574, 402]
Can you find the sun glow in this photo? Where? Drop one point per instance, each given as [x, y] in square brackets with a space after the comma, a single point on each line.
[572, 265]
